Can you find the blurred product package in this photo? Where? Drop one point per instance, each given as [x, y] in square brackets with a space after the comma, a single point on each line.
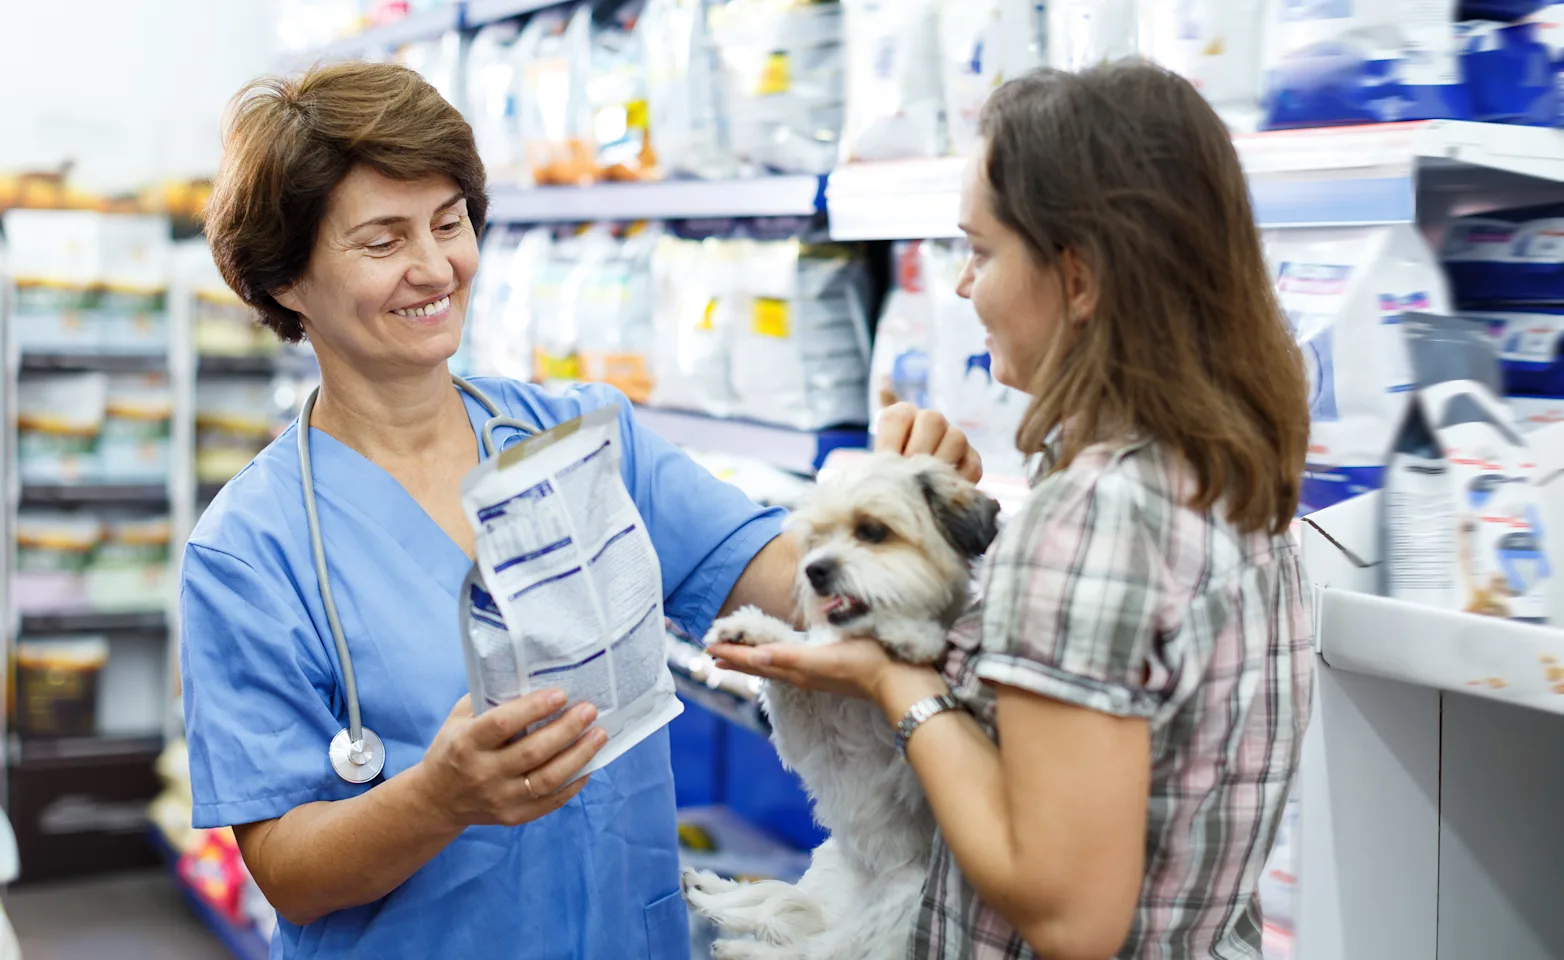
[1463, 509]
[1216, 45]
[895, 104]
[1507, 256]
[554, 54]
[696, 273]
[1344, 290]
[1371, 61]
[59, 420]
[88, 282]
[137, 429]
[899, 365]
[53, 551]
[613, 307]
[1530, 341]
[1085, 33]
[616, 90]
[235, 420]
[439, 61]
[493, 90]
[800, 347]
[129, 569]
[682, 89]
[982, 44]
[961, 382]
[57, 682]
[783, 83]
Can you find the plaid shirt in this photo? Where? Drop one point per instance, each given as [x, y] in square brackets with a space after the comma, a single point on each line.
[1107, 591]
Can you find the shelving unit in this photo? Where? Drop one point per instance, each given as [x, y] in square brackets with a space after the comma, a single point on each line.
[427, 25]
[800, 451]
[776, 196]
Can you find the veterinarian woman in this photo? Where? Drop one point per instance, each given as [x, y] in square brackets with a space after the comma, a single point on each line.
[1137, 678]
[347, 211]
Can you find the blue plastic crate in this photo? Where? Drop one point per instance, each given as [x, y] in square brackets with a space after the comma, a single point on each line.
[696, 740]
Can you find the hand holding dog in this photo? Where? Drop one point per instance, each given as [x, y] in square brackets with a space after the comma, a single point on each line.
[853, 668]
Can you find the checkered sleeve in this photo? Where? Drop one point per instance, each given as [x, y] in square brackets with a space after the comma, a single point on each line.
[1073, 596]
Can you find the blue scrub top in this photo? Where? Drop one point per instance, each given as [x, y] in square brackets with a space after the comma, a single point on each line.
[596, 880]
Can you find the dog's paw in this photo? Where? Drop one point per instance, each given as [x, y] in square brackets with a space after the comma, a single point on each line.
[751, 627]
[701, 884]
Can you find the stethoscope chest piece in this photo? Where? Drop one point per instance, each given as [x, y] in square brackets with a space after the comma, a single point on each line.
[360, 762]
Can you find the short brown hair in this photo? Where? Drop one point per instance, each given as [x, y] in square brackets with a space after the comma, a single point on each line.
[288, 142]
[1129, 168]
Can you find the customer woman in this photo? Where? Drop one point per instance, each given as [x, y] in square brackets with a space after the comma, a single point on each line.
[347, 211]
[1137, 677]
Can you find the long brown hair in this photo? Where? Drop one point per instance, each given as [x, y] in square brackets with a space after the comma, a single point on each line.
[288, 142]
[1127, 167]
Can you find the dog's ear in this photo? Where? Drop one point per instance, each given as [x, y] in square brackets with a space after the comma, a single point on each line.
[968, 518]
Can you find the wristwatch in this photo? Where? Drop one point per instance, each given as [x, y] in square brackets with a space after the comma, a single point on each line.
[919, 713]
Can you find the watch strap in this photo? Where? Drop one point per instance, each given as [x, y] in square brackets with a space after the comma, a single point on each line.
[920, 713]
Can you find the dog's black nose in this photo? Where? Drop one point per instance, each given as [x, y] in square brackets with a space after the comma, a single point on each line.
[821, 573]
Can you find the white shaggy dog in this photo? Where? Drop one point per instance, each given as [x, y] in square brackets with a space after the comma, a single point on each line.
[887, 552]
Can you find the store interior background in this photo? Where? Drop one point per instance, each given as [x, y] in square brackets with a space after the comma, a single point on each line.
[1423, 824]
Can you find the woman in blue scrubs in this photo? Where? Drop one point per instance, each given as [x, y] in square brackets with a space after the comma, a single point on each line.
[347, 211]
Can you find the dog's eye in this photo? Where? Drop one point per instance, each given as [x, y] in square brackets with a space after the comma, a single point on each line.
[870, 531]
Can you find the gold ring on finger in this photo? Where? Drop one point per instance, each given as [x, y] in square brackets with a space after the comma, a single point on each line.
[527, 782]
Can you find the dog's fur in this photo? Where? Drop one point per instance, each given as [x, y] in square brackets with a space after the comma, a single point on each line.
[887, 552]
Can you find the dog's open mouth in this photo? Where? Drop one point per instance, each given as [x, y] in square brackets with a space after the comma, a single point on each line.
[840, 608]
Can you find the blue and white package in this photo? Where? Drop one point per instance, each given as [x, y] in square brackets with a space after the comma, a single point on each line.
[1344, 291]
[1333, 62]
[1531, 349]
[1508, 256]
[1509, 74]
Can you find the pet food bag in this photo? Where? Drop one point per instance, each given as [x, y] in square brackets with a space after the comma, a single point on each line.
[1463, 512]
[783, 75]
[1534, 413]
[983, 43]
[1344, 291]
[696, 274]
[682, 89]
[553, 55]
[567, 589]
[961, 382]
[1362, 61]
[1509, 256]
[616, 95]
[1215, 44]
[899, 364]
[800, 332]
[59, 419]
[493, 101]
[895, 108]
[615, 315]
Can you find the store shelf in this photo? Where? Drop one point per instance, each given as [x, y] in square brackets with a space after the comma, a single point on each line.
[1486, 657]
[1321, 177]
[660, 200]
[93, 362]
[145, 621]
[413, 28]
[213, 364]
[800, 451]
[895, 200]
[93, 494]
[33, 751]
[476, 13]
[205, 492]
[245, 943]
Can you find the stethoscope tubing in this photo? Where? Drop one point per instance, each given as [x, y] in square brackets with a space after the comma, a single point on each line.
[356, 732]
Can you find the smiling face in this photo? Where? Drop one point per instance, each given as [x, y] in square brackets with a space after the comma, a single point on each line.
[1019, 300]
[387, 284]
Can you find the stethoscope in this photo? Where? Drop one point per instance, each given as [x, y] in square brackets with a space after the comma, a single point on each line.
[357, 753]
